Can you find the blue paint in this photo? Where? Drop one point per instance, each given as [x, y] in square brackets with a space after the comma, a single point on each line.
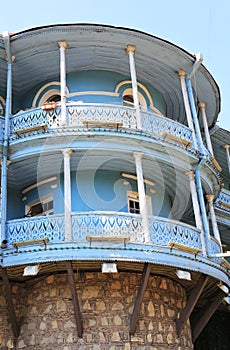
[91, 81]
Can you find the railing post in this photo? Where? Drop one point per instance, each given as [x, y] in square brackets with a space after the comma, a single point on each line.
[130, 50]
[67, 195]
[63, 46]
[142, 196]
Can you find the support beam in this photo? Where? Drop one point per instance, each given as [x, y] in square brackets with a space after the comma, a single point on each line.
[10, 304]
[77, 312]
[205, 314]
[192, 300]
[139, 298]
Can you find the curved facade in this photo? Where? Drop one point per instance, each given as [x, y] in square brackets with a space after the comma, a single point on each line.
[108, 162]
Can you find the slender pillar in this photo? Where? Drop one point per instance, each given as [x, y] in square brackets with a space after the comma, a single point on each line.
[228, 156]
[181, 75]
[210, 198]
[196, 208]
[206, 130]
[67, 195]
[63, 46]
[142, 196]
[130, 50]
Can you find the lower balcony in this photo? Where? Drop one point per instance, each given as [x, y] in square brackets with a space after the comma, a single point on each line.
[110, 236]
[107, 228]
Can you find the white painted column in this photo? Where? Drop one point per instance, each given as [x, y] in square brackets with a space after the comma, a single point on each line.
[142, 196]
[196, 209]
[182, 75]
[228, 156]
[210, 198]
[67, 195]
[63, 46]
[130, 50]
[206, 130]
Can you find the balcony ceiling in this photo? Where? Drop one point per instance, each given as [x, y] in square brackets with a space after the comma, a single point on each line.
[102, 47]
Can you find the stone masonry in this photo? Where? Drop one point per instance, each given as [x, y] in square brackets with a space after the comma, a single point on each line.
[45, 311]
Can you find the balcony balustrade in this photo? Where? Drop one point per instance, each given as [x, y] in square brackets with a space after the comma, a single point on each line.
[79, 115]
[223, 200]
[112, 224]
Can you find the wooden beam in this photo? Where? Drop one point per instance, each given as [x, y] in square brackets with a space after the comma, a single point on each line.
[192, 300]
[10, 304]
[204, 315]
[139, 298]
[77, 312]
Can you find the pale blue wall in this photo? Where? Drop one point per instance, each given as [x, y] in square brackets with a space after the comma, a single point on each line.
[102, 190]
[91, 81]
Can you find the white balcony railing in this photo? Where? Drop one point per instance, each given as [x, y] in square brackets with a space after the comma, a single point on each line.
[79, 115]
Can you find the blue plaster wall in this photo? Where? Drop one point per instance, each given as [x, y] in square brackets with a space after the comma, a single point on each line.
[90, 81]
[102, 190]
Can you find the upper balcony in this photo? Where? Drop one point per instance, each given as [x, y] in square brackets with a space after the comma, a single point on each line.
[82, 117]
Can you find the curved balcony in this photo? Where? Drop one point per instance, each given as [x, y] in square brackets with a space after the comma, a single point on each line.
[81, 115]
[223, 201]
[106, 224]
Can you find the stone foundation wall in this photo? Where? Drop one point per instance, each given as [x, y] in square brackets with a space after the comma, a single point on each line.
[106, 302]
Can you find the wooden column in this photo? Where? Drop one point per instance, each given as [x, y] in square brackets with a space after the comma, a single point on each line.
[67, 194]
[10, 304]
[182, 75]
[131, 50]
[139, 298]
[142, 197]
[192, 300]
[77, 312]
[63, 46]
[206, 130]
[204, 315]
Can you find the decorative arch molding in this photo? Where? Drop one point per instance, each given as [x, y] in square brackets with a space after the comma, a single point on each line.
[47, 94]
[146, 91]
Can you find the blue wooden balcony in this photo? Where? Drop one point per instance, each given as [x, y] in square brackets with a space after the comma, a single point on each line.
[80, 116]
[107, 224]
[223, 201]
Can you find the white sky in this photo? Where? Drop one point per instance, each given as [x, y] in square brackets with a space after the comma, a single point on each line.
[197, 26]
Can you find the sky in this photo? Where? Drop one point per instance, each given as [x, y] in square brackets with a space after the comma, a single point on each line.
[196, 26]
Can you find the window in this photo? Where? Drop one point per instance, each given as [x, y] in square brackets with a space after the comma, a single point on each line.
[52, 95]
[40, 207]
[54, 98]
[134, 205]
[128, 99]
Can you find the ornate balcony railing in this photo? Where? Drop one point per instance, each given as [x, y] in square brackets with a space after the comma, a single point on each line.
[112, 224]
[79, 115]
[223, 200]
[51, 227]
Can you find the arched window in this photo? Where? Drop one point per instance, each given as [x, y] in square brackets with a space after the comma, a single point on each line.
[128, 99]
[54, 98]
[52, 95]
